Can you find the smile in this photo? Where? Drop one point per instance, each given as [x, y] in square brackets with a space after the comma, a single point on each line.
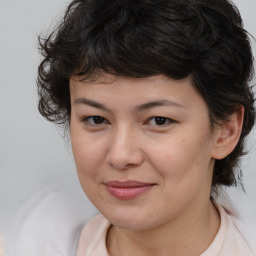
[128, 189]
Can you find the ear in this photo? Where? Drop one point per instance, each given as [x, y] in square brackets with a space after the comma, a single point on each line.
[227, 134]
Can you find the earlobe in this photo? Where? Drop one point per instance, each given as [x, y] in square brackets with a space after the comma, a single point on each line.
[228, 134]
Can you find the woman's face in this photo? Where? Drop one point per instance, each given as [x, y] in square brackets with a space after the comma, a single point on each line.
[143, 148]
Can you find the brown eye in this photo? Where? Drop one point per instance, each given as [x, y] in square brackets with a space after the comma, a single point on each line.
[95, 120]
[159, 121]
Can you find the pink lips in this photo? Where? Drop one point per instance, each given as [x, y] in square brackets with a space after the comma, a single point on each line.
[127, 189]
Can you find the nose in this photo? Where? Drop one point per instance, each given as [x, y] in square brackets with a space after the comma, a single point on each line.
[124, 150]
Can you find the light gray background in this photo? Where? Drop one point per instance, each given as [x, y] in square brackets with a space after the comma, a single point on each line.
[32, 152]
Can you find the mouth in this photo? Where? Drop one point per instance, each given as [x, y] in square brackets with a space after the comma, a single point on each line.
[126, 190]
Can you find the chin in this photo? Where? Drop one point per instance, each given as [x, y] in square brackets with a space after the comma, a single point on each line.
[130, 220]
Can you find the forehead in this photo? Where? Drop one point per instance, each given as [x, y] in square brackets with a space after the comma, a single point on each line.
[105, 81]
[122, 92]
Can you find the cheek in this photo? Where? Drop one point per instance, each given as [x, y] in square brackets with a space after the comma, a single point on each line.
[87, 159]
[182, 158]
[86, 153]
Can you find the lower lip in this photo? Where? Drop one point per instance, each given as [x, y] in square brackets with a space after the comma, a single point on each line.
[128, 193]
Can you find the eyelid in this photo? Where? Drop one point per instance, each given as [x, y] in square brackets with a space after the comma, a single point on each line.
[87, 122]
[169, 121]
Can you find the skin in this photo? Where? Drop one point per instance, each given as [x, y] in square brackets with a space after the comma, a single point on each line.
[176, 216]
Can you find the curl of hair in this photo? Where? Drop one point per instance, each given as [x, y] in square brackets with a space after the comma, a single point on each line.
[140, 38]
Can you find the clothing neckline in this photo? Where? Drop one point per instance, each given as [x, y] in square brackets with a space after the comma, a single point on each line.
[99, 244]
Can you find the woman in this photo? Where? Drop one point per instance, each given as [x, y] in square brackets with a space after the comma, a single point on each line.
[157, 99]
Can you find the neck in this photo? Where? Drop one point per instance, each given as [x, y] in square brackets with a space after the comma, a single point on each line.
[185, 235]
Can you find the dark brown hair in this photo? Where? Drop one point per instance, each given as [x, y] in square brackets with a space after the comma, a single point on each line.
[140, 38]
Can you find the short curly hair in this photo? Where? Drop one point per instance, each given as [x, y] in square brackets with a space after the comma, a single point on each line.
[141, 38]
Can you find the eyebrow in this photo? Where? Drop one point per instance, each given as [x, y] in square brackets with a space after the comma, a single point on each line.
[158, 103]
[145, 106]
[90, 103]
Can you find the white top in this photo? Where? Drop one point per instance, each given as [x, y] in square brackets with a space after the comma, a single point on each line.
[229, 240]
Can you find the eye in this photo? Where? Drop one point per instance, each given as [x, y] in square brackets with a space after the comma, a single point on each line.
[160, 121]
[95, 120]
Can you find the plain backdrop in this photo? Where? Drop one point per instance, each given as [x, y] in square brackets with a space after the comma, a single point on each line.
[33, 153]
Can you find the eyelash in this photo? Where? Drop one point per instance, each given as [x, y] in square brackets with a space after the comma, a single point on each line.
[87, 119]
[161, 119]
[103, 121]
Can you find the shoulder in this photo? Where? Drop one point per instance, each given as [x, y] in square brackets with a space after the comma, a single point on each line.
[237, 240]
[241, 235]
[49, 224]
[232, 238]
[92, 240]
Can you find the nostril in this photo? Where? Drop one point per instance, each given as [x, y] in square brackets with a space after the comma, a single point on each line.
[125, 158]
[124, 149]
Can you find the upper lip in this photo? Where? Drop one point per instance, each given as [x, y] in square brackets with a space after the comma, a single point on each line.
[127, 184]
